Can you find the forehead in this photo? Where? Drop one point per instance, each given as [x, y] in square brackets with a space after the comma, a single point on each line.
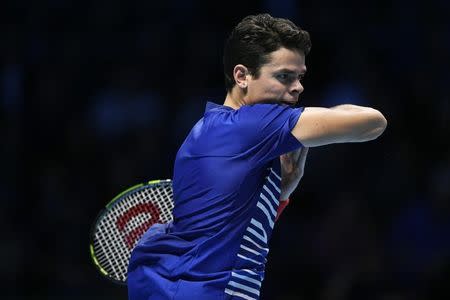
[286, 59]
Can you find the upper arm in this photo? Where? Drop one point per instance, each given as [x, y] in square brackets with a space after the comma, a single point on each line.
[319, 126]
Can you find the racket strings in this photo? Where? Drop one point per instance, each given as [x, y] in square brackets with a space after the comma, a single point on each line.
[166, 205]
[114, 240]
[109, 259]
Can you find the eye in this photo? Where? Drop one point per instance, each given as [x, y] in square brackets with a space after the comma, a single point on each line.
[282, 77]
[286, 78]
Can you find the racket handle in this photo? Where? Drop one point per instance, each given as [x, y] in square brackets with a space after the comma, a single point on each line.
[281, 207]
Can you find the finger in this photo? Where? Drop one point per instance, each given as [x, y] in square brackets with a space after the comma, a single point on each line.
[287, 167]
[286, 160]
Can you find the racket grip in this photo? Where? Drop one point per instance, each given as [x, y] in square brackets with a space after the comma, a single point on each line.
[281, 207]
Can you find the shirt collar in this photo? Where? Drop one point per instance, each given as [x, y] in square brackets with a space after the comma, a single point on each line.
[211, 105]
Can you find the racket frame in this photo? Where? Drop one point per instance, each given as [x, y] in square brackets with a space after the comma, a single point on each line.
[105, 210]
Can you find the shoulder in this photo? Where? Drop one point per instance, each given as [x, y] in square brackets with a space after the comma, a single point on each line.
[263, 109]
[259, 111]
[270, 114]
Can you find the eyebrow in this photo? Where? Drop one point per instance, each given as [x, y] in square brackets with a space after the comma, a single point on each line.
[284, 70]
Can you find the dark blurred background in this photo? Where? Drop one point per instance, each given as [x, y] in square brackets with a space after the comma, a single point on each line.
[96, 96]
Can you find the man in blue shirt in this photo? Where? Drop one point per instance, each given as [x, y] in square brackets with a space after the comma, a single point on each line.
[238, 163]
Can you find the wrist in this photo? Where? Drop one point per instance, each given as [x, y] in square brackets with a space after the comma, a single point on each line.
[284, 196]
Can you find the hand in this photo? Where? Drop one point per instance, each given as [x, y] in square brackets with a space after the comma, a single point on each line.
[292, 169]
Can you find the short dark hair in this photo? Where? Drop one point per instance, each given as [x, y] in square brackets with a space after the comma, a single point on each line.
[255, 37]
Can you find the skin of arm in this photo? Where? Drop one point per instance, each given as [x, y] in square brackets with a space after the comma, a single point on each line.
[318, 126]
[292, 170]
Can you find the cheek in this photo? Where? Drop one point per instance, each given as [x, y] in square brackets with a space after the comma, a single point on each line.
[276, 89]
[268, 89]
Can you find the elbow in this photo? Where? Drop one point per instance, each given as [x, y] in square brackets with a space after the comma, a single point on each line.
[378, 125]
[381, 123]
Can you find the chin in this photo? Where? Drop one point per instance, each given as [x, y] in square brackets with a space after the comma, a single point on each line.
[289, 103]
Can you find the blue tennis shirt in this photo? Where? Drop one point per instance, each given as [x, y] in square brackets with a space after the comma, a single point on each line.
[226, 188]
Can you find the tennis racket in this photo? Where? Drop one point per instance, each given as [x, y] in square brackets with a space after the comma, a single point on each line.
[123, 221]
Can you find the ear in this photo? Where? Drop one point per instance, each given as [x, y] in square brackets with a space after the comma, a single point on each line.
[240, 73]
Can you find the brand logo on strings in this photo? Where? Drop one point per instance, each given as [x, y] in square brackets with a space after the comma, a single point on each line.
[136, 220]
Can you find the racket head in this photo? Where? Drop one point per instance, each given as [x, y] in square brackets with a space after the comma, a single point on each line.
[122, 222]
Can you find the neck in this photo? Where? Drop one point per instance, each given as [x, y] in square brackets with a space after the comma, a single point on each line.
[234, 99]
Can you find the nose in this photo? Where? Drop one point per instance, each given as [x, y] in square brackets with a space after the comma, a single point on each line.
[297, 87]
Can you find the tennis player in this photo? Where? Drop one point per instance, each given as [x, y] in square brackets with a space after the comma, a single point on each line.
[237, 167]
